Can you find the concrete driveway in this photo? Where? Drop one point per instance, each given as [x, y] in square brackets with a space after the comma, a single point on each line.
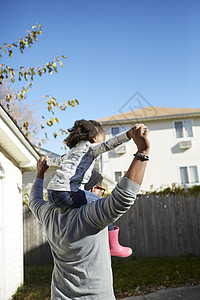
[181, 293]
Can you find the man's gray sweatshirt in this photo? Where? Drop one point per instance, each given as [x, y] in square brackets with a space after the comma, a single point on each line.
[79, 241]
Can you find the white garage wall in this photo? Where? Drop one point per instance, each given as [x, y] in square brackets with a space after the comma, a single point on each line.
[12, 229]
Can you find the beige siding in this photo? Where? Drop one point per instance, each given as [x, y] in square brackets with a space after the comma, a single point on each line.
[165, 154]
[12, 228]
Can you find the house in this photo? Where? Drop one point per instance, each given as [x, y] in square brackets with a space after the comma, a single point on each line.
[17, 156]
[175, 144]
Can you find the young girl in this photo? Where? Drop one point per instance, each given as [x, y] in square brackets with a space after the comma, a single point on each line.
[86, 141]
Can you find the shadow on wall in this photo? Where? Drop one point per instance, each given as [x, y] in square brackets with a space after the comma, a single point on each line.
[176, 149]
[40, 255]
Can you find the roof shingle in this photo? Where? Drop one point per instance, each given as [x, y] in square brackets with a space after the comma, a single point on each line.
[151, 112]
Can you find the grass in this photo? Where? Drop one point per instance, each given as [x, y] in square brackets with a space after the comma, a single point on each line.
[37, 283]
[140, 276]
[131, 276]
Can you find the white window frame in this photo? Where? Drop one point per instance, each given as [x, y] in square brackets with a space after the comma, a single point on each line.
[184, 137]
[114, 127]
[187, 166]
[122, 171]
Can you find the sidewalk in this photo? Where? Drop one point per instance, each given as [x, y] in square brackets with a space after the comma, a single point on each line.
[181, 293]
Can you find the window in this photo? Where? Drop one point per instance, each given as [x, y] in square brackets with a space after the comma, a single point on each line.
[114, 131]
[119, 175]
[183, 129]
[189, 174]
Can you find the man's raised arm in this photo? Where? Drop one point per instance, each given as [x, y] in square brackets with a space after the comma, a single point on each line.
[137, 168]
[38, 206]
[105, 211]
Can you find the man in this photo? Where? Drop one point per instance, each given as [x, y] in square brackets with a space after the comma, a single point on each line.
[79, 238]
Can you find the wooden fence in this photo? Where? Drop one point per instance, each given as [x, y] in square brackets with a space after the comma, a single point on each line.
[36, 247]
[156, 226]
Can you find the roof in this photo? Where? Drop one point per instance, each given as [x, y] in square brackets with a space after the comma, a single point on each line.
[14, 145]
[48, 153]
[151, 113]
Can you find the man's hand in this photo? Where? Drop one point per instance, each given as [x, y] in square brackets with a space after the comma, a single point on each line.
[41, 167]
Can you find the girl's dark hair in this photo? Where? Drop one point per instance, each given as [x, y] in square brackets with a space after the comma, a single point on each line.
[83, 131]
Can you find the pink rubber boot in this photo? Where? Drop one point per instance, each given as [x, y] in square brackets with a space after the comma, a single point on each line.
[115, 248]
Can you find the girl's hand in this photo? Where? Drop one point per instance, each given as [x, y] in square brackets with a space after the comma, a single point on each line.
[139, 134]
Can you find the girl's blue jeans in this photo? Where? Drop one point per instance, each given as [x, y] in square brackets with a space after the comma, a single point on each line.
[71, 199]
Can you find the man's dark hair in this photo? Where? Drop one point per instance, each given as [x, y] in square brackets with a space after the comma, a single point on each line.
[83, 131]
[95, 179]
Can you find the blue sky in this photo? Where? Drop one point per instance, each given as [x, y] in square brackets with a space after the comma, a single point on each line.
[113, 48]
